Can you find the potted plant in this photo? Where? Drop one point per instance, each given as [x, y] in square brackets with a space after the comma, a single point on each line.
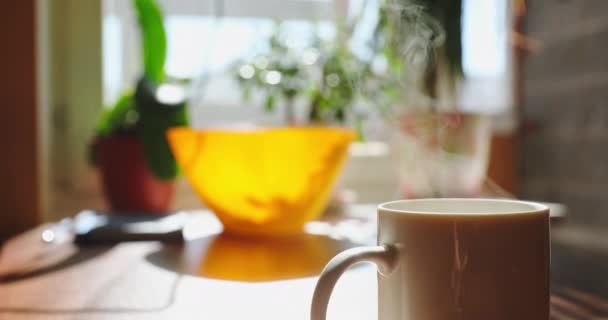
[440, 149]
[136, 166]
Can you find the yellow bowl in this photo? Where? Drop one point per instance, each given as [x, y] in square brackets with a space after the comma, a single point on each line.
[262, 181]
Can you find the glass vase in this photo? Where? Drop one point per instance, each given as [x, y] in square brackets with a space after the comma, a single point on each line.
[441, 154]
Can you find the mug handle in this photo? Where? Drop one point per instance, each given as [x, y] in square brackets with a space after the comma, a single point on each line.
[385, 257]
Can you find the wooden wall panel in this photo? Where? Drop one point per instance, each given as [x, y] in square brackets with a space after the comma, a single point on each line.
[19, 173]
[565, 109]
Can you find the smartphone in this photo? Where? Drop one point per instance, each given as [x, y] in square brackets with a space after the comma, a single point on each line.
[92, 227]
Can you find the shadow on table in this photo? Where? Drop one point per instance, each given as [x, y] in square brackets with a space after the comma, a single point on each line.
[79, 256]
[227, 257]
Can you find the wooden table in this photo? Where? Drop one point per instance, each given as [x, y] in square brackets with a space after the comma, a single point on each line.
[218, 277]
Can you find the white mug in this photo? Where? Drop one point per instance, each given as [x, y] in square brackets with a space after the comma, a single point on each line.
[454, 259]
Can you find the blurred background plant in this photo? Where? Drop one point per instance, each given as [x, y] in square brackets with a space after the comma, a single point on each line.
[420, 44]
[137, 168]
[414, 60]
[156, 104]
[326, 74]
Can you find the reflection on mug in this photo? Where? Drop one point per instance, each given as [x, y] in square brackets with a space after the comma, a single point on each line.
[267, 259]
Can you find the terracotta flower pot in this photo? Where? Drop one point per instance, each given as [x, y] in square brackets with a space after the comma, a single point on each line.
[128, 184]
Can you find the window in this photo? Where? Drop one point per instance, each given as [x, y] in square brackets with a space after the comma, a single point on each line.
[209, 35]
[205, 37]
[486, 55]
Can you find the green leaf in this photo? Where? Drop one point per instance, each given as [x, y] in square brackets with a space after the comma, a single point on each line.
[155, 118]
[359, 128]
[154, 38]
[270, 101]
[117, 117]
[246, 93]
